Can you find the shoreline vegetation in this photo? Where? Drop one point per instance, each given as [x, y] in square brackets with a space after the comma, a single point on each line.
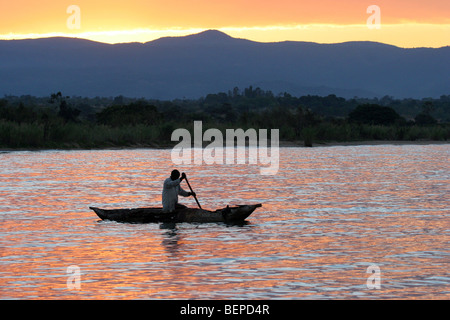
[282, 144]
[60, 122]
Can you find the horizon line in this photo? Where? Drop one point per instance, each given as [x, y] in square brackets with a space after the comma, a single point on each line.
[155, 34]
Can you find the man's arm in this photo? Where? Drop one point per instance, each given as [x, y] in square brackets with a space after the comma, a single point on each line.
[184, 193]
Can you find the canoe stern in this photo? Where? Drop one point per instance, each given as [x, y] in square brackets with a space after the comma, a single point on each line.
[239, 213]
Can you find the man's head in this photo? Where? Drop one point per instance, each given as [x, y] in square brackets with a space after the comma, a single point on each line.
[175, 174]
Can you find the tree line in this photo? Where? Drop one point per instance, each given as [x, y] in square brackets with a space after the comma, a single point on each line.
[60, 121]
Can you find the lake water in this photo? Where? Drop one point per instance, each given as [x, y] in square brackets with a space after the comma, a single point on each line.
[329, 214]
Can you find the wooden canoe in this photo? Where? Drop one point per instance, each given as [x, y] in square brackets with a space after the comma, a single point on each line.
[147, 215]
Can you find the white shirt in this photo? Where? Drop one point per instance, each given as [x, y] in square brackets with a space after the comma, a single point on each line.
[171, 190]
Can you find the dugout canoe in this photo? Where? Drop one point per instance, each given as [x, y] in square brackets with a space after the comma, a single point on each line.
[147, 215]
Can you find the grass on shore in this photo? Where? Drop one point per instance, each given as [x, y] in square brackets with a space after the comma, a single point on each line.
[87, 135]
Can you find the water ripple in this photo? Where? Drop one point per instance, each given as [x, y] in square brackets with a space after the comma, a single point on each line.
[328, 215]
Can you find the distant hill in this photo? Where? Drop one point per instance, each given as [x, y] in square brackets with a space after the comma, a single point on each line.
[211, 61]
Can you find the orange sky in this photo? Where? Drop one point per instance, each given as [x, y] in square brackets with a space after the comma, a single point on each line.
[407, 23]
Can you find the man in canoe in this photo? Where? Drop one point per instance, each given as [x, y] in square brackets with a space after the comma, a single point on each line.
[171, 190]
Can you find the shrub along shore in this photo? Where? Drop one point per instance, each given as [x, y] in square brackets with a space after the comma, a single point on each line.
[59, 122]
[85, 136]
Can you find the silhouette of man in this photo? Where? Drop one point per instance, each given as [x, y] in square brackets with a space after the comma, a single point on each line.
[171, 190]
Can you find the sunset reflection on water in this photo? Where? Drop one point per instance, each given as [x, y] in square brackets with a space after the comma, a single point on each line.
[327, 215]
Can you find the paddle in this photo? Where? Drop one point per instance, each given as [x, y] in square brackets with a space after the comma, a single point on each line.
[195, 197]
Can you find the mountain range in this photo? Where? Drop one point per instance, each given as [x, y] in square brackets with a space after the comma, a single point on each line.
[211, 61]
